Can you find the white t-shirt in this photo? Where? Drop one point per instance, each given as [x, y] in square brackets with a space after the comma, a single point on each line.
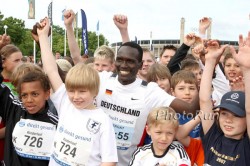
[83, 137]
[173, 156]
[220, 85]
[128, 106]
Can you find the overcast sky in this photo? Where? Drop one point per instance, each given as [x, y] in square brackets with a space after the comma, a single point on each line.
[162, 17]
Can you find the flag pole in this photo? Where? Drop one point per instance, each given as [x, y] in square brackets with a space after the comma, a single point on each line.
[65, 32]
[151, 44]
[50, 8]
[98, 41]
[34, 51]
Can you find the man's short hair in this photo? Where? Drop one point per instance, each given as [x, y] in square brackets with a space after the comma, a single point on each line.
[168, 47]
[136, 46]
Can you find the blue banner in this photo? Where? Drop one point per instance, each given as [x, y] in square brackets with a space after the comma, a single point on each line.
[84, 32]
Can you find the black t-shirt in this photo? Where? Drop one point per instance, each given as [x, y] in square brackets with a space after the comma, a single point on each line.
[220, 150]
[11, 111]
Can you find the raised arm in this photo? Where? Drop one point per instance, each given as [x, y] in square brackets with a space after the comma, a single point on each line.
[121, 22]
[204, 23]
[69, 17]
[174, 63]
[243, 59]
[206, 106]
[182, 134]
[4, 40]
[49, 62]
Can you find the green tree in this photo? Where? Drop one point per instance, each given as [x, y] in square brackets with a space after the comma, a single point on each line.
[16, 29]
[1, 16]
[92, 41]
[27, 46]
[58, 40]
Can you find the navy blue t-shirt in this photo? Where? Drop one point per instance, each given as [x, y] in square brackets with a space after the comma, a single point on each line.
[220, 150]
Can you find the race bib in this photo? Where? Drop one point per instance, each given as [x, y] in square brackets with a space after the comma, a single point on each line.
[124, 130]
[71, 147]
[33, 139]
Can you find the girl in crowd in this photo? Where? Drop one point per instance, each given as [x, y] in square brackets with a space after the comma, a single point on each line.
[11, 57]
[161, 75]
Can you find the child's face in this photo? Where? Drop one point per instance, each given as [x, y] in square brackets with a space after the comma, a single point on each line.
[33, 96]
[81, 98]
[198, 74]
[185, 91]
[10, 63]
[147, 61]
[232, 126]
[163, 84]
[232, 69]
[166, 56]
[162, 136]
[103, 65]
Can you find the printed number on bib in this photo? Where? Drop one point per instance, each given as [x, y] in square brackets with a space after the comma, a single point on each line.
[67, 149]
[33, 141]
[122, 135]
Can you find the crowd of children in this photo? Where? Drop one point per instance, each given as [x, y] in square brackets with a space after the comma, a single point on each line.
[126, 108]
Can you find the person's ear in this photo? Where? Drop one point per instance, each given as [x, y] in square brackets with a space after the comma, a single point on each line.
[172, 91]
[47, 96]
[148, 130]
[3, 64]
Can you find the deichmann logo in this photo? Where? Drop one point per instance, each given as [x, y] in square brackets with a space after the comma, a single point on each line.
[21, 124]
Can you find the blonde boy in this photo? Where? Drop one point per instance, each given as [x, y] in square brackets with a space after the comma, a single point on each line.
[85, 135]
[104, 59]
[184, 86]
[162, 125]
